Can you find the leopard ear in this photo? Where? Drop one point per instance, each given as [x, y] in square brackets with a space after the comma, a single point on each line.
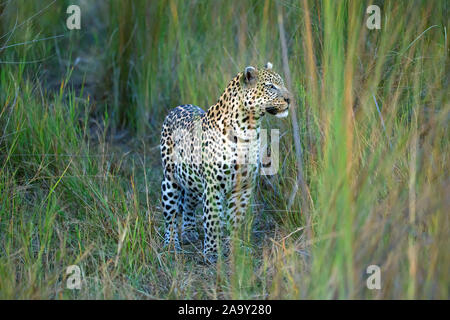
[268, 66]
[250, 75]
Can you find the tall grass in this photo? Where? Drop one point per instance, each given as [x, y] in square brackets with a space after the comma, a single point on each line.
[80, 114]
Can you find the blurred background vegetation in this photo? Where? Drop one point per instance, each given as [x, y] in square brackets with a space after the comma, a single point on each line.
[81, 110]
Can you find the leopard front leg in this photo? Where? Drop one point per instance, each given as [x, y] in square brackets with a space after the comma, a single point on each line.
[212, 211]
[236, 205]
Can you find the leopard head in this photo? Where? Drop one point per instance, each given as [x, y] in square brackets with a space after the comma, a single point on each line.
[264, 90]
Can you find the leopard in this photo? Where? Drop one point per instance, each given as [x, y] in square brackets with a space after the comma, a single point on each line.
[213, 157]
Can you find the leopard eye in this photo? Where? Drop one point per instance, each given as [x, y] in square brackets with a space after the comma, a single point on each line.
[271, 86]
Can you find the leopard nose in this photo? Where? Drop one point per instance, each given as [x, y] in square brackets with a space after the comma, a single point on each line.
[288, 101]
